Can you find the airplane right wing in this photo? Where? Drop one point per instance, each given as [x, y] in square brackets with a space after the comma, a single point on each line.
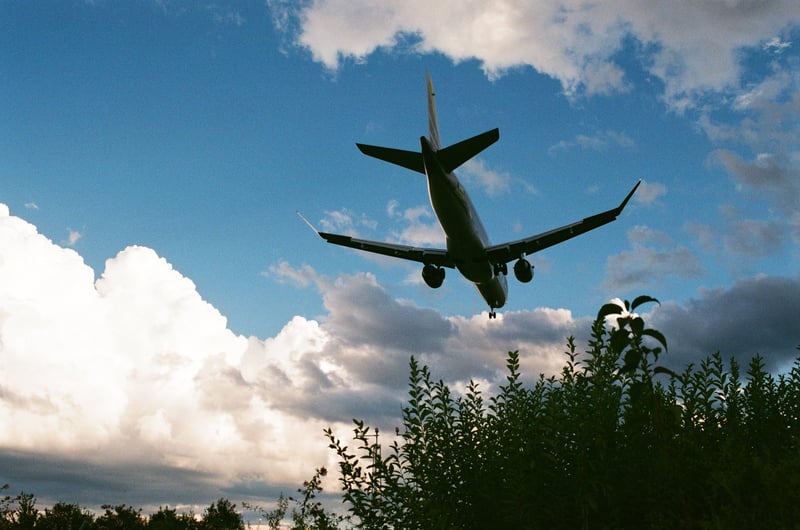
[506, 252]
[433, 256]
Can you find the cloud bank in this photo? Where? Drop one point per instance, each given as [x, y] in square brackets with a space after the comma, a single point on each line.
[134, 374]
[690, 47]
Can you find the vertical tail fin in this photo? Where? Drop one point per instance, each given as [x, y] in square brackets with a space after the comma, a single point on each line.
[433, 123]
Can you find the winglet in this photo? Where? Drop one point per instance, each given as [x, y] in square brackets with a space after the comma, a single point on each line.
[625, 201]
[311, 226]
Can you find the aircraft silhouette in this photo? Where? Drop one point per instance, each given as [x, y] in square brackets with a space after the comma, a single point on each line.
[468, 247]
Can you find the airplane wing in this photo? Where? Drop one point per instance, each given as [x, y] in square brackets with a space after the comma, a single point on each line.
[434, 256]
[506, 252]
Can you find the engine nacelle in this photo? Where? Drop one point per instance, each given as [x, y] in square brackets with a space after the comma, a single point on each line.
[433, 276]
[523, 270]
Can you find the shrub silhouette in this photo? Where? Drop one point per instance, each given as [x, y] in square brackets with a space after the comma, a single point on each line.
[613, 441]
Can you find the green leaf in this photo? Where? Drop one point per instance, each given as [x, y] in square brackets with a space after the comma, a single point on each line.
[639, 300]
[654, 333]
[637, 326]
[664, 370]
[609, 309]
[632, 360]
[619, 341]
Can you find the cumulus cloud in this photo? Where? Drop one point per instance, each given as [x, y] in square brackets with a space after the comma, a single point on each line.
[137, 359]
[493, 182]
[649, 192]
[690, 46]
[418, 225]
[653, 258]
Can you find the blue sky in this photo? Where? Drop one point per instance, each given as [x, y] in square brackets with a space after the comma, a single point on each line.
[154, 154]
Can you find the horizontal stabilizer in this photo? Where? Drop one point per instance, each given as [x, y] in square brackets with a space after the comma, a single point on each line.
[455, 155]
[407, 159]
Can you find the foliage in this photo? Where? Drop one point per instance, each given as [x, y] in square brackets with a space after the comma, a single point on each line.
[614, 441]
[222, 515]
[307, 512]
[20, 513]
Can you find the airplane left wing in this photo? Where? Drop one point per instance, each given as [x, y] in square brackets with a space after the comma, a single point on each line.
[433, 256]
[506, 252]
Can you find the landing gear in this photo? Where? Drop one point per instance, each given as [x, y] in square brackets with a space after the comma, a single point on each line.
[500, 268]
[492, 314]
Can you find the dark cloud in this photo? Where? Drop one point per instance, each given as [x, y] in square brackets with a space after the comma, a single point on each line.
[773, 175]
[759, 315]
[361, 311]
[85, 479]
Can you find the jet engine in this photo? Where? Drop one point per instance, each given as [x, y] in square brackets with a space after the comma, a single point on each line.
[433, 276]
[523, 270]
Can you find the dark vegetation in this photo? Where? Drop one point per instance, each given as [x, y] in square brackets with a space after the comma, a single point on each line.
[20, 512]
[614, 441]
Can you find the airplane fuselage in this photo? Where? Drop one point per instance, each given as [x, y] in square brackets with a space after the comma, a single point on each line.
[466, 237]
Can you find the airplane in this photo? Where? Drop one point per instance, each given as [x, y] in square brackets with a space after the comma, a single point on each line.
[468, 248]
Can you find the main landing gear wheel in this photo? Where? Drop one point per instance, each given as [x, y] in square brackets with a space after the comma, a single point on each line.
[501, 268]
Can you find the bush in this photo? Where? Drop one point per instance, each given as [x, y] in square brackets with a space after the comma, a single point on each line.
[613, 441]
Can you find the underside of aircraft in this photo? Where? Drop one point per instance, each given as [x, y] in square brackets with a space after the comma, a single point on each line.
[468, 247]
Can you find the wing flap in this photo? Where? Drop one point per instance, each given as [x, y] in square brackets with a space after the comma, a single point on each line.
[434, 256]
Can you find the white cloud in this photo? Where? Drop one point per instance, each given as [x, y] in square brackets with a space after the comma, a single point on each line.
[493, 182]
[777, 45]
[137, 360]
[73, 237]
[419, 226]
[284, 272]
[346, 222]
[600, 141]
[691, 46]
[649, 192]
